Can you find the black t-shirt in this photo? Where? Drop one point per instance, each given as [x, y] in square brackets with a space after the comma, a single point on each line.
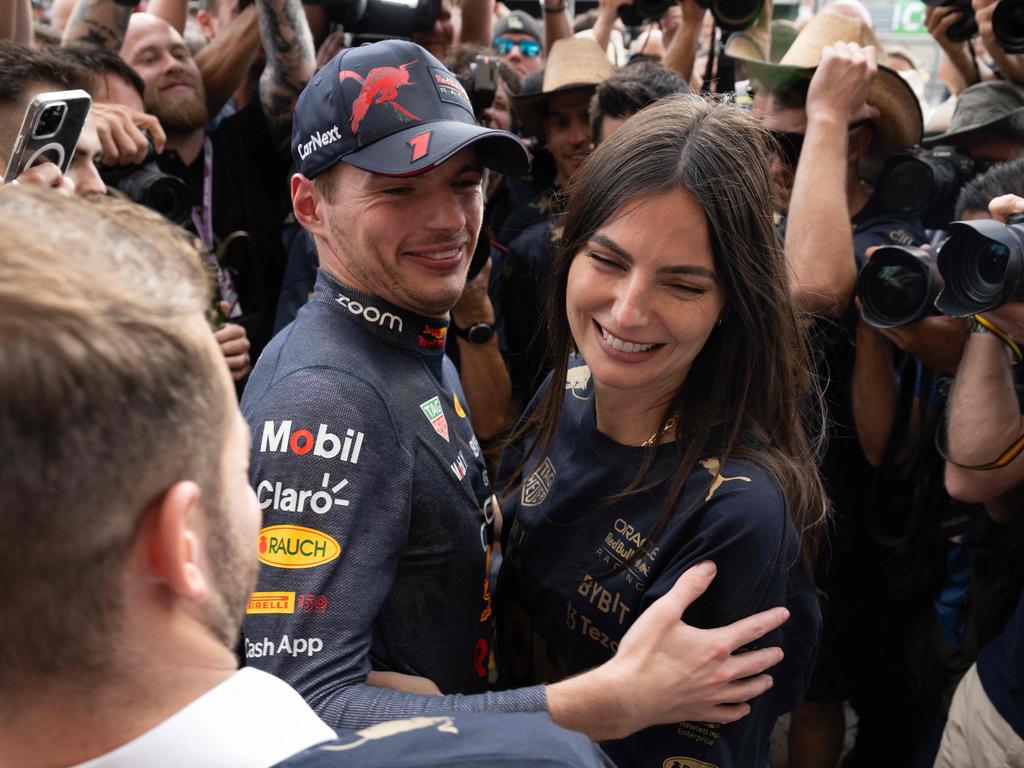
[578, 570]
[248, 194]
[874, 225]
[519, 289]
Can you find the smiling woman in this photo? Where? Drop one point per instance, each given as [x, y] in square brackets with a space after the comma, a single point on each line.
[679, 433]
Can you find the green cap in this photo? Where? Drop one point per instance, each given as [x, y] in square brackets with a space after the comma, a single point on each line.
[984, 106]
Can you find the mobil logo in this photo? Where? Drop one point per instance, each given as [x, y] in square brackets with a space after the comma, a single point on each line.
[281, 437]
[295, 546]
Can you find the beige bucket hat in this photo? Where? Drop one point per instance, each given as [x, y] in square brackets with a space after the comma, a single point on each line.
[574, 62]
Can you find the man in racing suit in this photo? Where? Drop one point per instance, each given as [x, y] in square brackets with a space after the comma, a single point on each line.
[378, 515]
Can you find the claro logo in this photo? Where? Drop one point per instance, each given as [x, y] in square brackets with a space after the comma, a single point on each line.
[293, 546]
[371, 314]
[280, 437]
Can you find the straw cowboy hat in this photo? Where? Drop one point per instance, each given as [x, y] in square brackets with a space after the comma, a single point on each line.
[573, 63]
[899, 123]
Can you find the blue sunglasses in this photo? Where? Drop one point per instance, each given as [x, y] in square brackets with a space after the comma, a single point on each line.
[529, 48]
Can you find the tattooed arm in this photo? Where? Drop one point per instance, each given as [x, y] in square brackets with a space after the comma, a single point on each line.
[290, 62]
[97, 24]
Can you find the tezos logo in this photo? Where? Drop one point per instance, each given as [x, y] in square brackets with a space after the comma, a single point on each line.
[280, 438]
[318, 140]
[282, 499]
[371, 315]
[294, 546]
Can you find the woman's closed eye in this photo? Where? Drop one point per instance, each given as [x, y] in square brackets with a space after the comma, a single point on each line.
[604, 261]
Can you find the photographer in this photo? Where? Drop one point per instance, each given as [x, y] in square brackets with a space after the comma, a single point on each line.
[987, 124]
[986, 719]
[833, 135]
[559, 114]
[236, 172]
[960, 65]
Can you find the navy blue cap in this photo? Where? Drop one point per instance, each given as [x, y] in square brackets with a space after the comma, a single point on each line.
[392, 108]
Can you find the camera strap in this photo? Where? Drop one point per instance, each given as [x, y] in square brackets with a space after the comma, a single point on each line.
[202, 219]
[1011, 452]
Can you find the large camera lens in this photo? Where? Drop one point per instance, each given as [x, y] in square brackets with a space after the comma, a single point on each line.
[734, 15]
[981, 264]
[908, 185]
[1008, 25]
[897, 286]
[925, 183]
[50, 119]
[964, 29]
[639, 12]
[149, 186]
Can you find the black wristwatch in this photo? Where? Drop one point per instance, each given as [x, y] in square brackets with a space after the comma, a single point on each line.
[478, 333]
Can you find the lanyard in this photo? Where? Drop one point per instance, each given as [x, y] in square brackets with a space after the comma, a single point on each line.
[203, 221]
[203, 218]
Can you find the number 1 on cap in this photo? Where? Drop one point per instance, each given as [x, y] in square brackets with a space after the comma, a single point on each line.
[420, 145]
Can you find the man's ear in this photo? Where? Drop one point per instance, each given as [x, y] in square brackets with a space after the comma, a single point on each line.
[309, 205]
[860, 140]
[205, 21]
[172, 541]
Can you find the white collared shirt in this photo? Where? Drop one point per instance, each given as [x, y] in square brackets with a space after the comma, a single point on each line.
[251, 720]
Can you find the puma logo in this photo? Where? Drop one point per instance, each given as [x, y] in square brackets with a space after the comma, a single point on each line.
[712, 466]
[577, 380]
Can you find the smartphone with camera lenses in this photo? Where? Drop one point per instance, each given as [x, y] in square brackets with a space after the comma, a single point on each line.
[49, 131]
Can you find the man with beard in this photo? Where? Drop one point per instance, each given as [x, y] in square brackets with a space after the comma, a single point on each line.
[235, 172]
[559, 114]
[126, 493]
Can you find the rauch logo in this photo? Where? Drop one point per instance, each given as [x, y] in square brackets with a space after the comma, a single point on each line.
[294, 546]
[279, 437]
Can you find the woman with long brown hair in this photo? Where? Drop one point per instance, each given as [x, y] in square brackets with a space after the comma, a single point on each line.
[673, 428]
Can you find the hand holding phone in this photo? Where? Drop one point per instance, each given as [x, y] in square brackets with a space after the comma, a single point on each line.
[49, 132]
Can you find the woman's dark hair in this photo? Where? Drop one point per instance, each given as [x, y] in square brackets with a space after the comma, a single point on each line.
[750, 393]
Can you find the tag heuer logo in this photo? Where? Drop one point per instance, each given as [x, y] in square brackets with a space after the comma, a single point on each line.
[432, 410]
[538, 485]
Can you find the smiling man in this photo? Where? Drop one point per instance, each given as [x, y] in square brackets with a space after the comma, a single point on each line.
[378, 513]
[235, 171]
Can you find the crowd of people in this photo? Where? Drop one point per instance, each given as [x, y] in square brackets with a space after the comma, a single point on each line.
[439, 383]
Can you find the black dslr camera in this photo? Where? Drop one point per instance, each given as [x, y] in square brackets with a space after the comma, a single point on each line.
[964, 29]
[382, 18]
[1008, 25]
[147, 185]
[982, 265]
[898, 286]
[730, 15]
[481, 83]
[925, 183]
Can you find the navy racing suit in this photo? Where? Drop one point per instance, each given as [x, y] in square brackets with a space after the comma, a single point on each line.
[377, 524]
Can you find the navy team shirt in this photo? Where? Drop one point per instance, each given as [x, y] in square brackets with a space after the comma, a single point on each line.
[578, 570]
[377, 525]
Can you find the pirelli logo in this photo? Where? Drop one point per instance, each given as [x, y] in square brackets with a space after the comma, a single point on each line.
[271, 602]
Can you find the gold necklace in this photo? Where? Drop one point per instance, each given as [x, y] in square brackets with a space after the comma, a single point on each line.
[670, 424]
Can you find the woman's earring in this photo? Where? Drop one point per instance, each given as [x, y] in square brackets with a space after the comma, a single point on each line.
[718, 322]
